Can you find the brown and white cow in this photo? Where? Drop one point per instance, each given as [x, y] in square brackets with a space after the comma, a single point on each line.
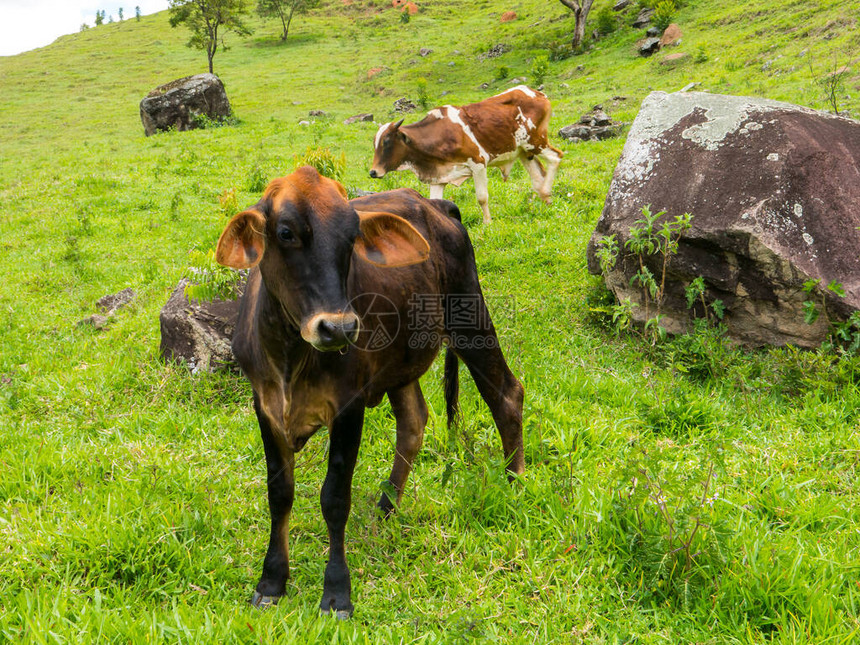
[329, 280]
[453, 143]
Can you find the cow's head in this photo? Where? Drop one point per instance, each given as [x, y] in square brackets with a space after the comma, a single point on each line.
[389, 149]
[302, 234]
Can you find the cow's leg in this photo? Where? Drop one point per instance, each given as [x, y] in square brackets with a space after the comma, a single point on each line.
[553, 159]
[479, 349]
[535, 170]
[335, 499]
[410, 411]
[436, 191]
[281, 486]
[479, 176]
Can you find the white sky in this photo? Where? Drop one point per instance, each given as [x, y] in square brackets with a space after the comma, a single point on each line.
[27, 24]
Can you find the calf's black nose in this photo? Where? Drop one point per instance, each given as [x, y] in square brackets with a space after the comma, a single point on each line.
[373, 174]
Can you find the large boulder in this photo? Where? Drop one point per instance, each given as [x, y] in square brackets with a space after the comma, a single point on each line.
[774, 192]
[198, 333]
[180, 103]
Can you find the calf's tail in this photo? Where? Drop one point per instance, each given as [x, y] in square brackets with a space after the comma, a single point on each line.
[452, 387]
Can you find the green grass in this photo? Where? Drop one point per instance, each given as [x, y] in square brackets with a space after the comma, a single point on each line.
[132, 494]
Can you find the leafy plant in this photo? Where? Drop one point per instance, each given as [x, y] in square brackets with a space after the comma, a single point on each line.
[606, 21]
[208, 20]
[664, 14]
[208, 280]
[672, 536]
[539, 69]
[423, 95]
[843, 334]
[327, 163]
[257, 179]
[502, 72]
[647, 239]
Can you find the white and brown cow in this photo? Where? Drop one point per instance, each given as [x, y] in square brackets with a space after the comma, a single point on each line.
[452, 143]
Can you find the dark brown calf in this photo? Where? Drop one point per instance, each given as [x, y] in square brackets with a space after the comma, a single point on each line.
[317, 340]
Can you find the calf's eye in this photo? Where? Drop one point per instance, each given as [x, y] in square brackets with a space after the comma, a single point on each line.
[285, 235]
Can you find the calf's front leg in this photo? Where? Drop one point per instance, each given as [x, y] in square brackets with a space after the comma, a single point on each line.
[336, 499]
[280, 483]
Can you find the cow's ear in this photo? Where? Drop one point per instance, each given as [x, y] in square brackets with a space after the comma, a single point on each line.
[243, 241]
[388, 240]
[404, 137]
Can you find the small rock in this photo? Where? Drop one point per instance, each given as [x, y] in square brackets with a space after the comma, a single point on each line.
[451, 64]
[601, 118]
[424, 52]
[688, 87]
[620, 5]
[653, 32]
[671, 59]
[484, 86]
[317, 113]
[373, 71]
[575, 133]
[643, 19]
[495, 51]
[96, 321]
[671, 36]
[508, 16]
[359, 118]
[649, 46]
[305, 123]
[109, 304]
[404, 105]
[564, 85]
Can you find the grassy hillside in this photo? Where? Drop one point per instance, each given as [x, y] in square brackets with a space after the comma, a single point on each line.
[132, 494]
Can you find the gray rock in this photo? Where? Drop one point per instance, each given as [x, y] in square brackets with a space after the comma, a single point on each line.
[620, 5]
[424, 52]
[359, 118]
[198, 334]
[495, 51]
[653, 32]
[97, 321]
[643, 19]
[649, 46]
[600, 118]
[178, 104]
[404, 106]
[575, 132]
[318, 113]
[109, 304]
[775, 202]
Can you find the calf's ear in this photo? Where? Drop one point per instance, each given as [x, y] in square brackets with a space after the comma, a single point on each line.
[243, 241]
[388, 240]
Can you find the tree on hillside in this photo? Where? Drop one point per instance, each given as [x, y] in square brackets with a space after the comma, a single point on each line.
[580, 9]
[208, 21]
[284, 9]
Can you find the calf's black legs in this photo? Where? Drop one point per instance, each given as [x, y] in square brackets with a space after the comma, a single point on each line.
[281, 488]
[336, 499]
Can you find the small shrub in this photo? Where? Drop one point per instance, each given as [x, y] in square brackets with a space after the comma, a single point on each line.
[229, 202]
[327, 163]
[257, 179]
[502, 72]
[423, 95]
[701, 55]
[208, 280]
[606, 22]
[664, 13]
[673, 539]
[205, 122]
[404, 17]
[540, 67]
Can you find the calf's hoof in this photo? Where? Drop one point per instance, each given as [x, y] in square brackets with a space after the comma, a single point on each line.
[260, 601]
[340, 614]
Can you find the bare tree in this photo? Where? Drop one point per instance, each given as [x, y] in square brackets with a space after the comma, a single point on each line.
[208, 20]
[580, 9]
[284, 9]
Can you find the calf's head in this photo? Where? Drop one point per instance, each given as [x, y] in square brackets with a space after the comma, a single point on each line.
[390, 149]
[302, 234]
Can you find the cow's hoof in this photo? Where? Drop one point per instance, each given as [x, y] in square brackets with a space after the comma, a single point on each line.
[340, 614]
[260, 601]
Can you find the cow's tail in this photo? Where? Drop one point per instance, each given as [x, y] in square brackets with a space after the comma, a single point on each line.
[452, 387]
